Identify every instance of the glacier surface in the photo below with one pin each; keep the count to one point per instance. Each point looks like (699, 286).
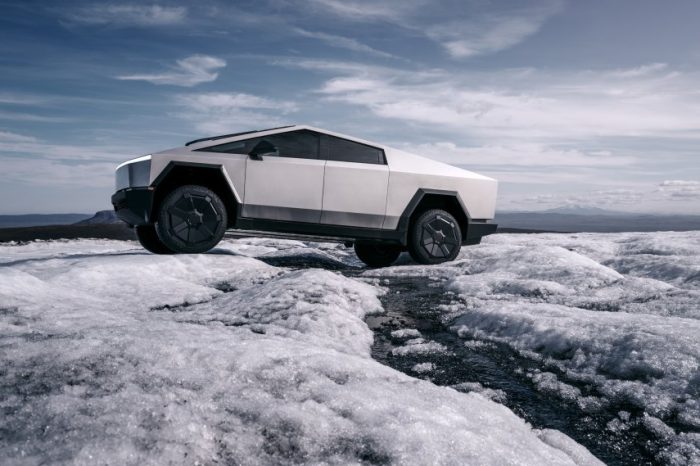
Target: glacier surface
(616, 314)
(112, 355)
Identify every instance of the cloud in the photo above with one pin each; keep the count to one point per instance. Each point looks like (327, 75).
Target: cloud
(463, 31)
(680, 189)
(679, 184)
(517, 155)
(642, 70)
(6, 136)
(481, 35)
(597, 198)
(31, 161)
(47, 172)
(220, 112)
(188, 72)
(18, 145)
(370, 10)
(342, 42)
(129, 15)
(21, 99)
(523, 105)
(683, 195)
(18, 116)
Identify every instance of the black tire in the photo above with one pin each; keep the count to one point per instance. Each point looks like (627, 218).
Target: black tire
(434, 237)
(148, 237)
(191, 219)
(377, 254)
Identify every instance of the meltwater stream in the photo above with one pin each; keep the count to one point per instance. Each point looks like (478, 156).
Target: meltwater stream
(495, 370)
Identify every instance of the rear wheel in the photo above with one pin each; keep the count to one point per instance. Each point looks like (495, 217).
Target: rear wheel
(434, 237)
(191, 219)
(377, 254)
(148, 237)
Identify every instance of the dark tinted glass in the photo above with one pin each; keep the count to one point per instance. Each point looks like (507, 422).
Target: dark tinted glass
(343, 150)
(300, 144)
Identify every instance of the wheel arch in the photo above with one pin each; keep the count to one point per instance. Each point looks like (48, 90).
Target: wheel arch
(426, 199)
(214, 177)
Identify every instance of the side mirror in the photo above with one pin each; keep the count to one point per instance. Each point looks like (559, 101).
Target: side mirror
(262, 148)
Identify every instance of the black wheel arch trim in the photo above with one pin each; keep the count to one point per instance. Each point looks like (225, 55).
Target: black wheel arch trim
(234, 212)
(174, 164)
(475, 228)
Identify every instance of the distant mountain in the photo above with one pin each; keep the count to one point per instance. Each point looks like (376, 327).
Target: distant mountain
(570, 210)
(103, 217)
(582, 210)
(32, 220)
(607, 222)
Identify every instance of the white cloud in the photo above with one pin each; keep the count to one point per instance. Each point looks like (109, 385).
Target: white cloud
(679, 184)
(342, 42)
(6, 136)
(517, 155)
(524, 105)
(46, 172)
(673, 196)
(188, 72)
(642, 70)
(28, 160)
(481, 35)
(129, 15)
(220, 112)
(19, 116)
(680, 190)
(370, 10)
(466, 31)
(18, 145)
(597, 198)
(21, 99)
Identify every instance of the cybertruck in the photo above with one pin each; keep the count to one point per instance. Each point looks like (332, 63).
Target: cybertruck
(304, 182)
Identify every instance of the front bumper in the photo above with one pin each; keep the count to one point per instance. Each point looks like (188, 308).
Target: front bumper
(134, 205)
(477, 229)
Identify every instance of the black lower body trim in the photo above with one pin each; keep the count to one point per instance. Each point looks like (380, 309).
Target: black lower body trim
(134, 205)
(284, 214)
(476, 230)
(319, 229)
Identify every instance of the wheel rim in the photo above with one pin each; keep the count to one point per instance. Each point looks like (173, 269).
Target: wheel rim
(194, 219)
(439, 236)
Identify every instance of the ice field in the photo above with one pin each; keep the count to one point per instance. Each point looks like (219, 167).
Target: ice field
(259, 352)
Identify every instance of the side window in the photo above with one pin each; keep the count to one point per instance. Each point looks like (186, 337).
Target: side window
(342, 150)
(300, 144)
(236, 147)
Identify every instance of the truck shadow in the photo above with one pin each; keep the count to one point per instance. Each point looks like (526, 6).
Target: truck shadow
(308, 261)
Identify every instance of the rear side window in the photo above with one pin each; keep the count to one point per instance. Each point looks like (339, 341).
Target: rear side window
(342, 150)
(299, 144)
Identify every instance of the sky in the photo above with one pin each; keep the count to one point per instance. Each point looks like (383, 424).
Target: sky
(566, 103)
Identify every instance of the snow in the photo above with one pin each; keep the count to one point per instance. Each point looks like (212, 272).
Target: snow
(423, 367)
(490, 393)
(418, 346)
(619, 313)
(111, 355)
(405, 333)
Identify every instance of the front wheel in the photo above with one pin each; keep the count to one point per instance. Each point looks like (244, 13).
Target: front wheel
(148, 237)
(377, 254)
(191, 219)
(434, 237)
